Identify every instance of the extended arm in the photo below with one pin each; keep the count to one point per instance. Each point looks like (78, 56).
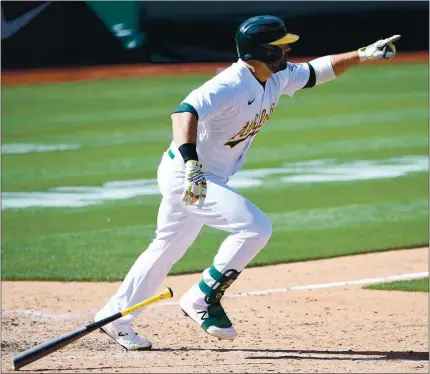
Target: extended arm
(381, 49)
(329, 67)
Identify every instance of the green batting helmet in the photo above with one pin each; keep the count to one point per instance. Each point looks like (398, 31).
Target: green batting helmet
(258, 38)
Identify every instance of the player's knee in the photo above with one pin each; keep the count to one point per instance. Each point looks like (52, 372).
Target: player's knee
(263, 228)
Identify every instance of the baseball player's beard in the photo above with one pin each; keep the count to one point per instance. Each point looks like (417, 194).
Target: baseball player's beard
(279, 65)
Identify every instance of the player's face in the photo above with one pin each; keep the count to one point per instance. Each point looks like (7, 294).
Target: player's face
(282, 63)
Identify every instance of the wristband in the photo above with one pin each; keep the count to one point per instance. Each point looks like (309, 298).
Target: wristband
(188, 152)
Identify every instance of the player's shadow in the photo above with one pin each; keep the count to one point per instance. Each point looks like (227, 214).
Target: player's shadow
(299, 354)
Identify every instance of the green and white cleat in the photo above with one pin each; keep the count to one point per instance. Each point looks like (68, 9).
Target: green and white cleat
(210, 317)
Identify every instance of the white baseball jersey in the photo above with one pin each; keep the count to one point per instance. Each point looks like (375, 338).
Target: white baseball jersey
(232, 107)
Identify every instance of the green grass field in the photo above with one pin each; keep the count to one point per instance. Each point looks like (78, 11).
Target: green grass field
(349, 158)
(415, 285)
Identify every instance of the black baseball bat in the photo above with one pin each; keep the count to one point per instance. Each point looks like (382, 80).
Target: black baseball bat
(52, 345)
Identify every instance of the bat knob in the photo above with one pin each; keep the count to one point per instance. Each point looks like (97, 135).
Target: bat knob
(171, 292)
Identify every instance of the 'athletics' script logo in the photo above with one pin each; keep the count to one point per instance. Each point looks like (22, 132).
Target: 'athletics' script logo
(250, 128)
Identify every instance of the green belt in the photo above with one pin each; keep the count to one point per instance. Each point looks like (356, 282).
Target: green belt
(171, 154)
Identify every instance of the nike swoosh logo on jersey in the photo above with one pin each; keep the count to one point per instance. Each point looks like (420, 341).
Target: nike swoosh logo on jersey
(10, 27)
(251, 101)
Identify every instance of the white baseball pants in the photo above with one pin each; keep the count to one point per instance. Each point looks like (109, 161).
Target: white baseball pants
(178, 226)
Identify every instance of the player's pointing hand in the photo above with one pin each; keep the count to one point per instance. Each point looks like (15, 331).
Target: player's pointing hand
(383, 48)
(195, 184)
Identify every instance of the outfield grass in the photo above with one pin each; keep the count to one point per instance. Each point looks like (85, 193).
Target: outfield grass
(415, 285)
(372, 123)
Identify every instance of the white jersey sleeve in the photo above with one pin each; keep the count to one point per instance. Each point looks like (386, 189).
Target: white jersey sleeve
(211, 100)
(293, 78)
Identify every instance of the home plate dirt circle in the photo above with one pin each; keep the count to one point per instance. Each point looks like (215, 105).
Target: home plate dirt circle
(302, 317)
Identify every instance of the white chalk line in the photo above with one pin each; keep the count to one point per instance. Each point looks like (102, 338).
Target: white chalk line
(390, 278)
(311, 287)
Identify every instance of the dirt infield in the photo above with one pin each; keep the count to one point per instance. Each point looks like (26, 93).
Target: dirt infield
(37, 76)
(320, 327)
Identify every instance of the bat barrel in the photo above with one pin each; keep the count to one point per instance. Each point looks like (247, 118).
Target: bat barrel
(44, 349)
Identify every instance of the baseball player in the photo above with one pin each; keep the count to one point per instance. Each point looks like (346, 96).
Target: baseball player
(212, 130)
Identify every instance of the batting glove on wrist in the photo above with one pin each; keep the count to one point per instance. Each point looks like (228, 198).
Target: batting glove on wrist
(383, 48)
(195, 184)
